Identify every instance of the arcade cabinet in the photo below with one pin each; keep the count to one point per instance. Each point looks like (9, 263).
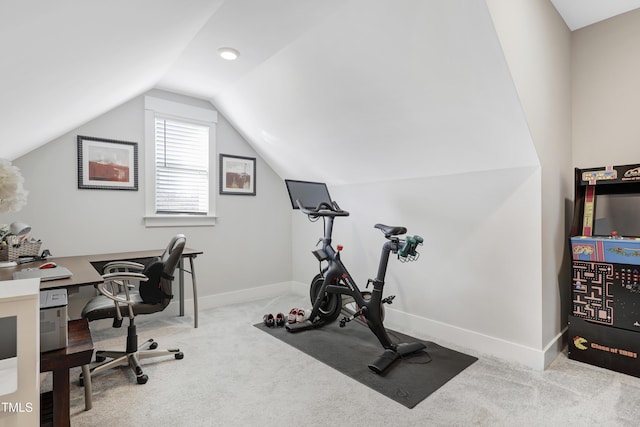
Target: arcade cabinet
(604, 320)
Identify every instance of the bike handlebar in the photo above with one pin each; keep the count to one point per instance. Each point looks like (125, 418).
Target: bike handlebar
(323, 209)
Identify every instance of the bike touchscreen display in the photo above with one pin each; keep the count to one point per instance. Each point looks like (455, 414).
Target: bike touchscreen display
(310, 194)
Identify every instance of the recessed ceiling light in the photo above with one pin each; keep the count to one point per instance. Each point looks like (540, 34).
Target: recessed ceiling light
(228, 53)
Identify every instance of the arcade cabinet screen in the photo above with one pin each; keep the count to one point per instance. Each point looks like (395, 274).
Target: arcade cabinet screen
(310, 194)
(617, 212)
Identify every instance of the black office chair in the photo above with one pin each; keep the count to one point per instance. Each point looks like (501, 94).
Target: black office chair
(117, 295)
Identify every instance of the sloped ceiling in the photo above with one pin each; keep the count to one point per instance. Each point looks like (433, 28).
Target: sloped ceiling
(66, 62)
(368, 91)
(580, 13)
(340, 90)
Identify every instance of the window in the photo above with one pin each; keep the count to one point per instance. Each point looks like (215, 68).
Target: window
(182, 167)
(179, 140)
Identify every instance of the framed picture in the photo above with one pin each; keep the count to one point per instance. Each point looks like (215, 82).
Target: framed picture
(237, 175)
(107, 164)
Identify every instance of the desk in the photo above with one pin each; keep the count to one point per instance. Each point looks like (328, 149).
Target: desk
(78, 352)
(85, 273)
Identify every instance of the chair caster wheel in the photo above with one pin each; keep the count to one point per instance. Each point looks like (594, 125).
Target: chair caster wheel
(142, 379)
(179, 355)
(153, 345)
(81, 381)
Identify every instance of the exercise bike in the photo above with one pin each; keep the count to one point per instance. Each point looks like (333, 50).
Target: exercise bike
(334, 281)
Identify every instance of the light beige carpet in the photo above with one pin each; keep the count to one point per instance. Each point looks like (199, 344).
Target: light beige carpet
(236, 375)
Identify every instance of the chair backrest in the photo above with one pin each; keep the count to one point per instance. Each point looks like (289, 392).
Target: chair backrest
(177, 242)
(170, 259)
(160, 273)
(173, 253)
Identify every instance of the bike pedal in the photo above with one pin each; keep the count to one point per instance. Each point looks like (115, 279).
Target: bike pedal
(389, 299)
(343, 322)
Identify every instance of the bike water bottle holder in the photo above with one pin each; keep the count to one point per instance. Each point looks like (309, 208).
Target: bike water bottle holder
(408, 252)
(409, 258)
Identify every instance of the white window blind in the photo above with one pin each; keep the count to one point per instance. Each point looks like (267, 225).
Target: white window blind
(182, 167)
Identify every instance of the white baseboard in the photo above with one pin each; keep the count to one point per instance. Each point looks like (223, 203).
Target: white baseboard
(252, 294)
(219, 300)
(555, 347)
(456, 338)
(472, 342)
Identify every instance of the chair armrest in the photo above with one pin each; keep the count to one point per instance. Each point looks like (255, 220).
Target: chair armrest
(114, 266)
(118, 279)
(124, 275)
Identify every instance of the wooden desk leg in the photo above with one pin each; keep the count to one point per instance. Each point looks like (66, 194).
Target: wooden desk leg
(195, 293)
(61, 399)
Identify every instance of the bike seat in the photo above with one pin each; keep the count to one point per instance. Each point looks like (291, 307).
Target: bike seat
(390, 230)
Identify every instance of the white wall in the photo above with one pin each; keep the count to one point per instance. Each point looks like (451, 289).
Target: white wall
(510, 298)
(537, 47)
(606, 92)
(476, 284)
(251, 231)
(494, 275)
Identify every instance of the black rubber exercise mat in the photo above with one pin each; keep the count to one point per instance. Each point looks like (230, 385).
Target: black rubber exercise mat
(350, 350)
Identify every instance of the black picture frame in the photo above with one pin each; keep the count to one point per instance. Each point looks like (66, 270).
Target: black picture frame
(107, 164)
(237, 175)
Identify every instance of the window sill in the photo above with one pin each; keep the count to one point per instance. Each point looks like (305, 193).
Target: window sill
(179, 221)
